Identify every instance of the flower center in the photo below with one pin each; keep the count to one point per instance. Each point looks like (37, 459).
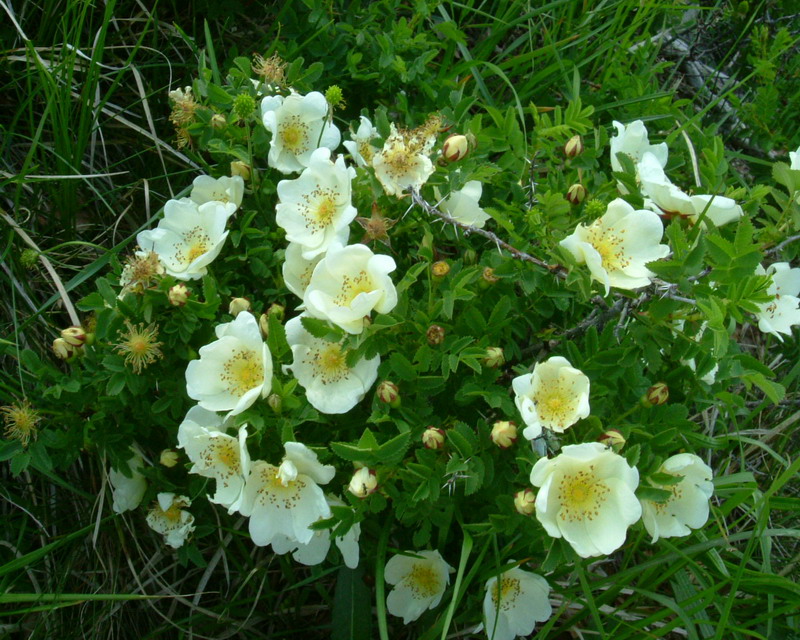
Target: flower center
(294, 135)
(424, 581)
(365, 151)
(243, 371)
(609, 246)
(351, 287)
(325, 210)
(196, 243)
(553, 404)
(505, 593)
(581, 495)
(227, 453)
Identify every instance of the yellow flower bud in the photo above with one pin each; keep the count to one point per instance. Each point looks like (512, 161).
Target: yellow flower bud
(433, 438)
(440, 269)
(504, 433)
(389, 393)
(574, 147)
(525, 502)
(363, 483)
(613, 439)
(238, 305)
(63, 349)
(168, 458)
(494, 357)
(657, 394)
(263, 324)
(75, 336)
(455, 148)
(239, 168)
(488, 278)
(218, 121)
(275, 402)
(178, 295)
(435, 335)
(576, 194)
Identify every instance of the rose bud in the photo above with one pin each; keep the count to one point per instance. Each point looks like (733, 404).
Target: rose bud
(238, 305)
(524, 502)
(504, 433)
(433, 438)
(363, 483)
(455, 148)
(574, 147)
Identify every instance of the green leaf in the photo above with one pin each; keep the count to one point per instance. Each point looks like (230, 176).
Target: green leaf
(321, 329)
(665, 479)
(349, 619)
(391, 452)
(653, 494)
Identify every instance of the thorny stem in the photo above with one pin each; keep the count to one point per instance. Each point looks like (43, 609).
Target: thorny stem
(780, 246)
(557, 270)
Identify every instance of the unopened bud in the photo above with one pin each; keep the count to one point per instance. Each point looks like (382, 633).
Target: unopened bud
(488, 278)
(178, 295)
(435, 335)
(168, 458)
(455, 148)
(239, 168)
(613, 439)
(63, 349)
(363, 483)
(433, 438)
(389, 393)
(275, 402)
(238, 305)
(263, 324)
(440, 269)
(504, 433)
(525, 502)
(574, 147)
(218, 121)
(28, 258)
(657, 394)
(470, 256)
(74, 336)
(244, 105)
(277, 310)
(494, 357)
(576, 194)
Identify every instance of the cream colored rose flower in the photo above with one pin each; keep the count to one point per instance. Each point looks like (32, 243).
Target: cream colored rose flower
(321, 369)
(348, 284)
(359, 146)
(632, 140)
(316, 208)
(687, 507)
(462, 205)
(587, 497)
(779, 316)
(515, 601)
(555, 396)
(403, 163)
(286, 500)
(128, 491)
(234, 370)
(299, 125)
(664, 197)
(169, 518)
(215, 454)
(189, 236)
(419, 583)
(617, 246)
(224, 189)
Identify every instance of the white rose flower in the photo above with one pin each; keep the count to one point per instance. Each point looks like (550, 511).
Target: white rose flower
(299, 125)
(348, 283)
(632, 140)
(189, 236)
(321, 369)
(617, 246)
(783, 312)
(216, 455)
(234, 370)
(127, 492)
(587, 497)
(315, 551)
(515, 601)
(359, 146)
(169, 519)
(224, 189)
(662, 196)
(403, 163)
(297, 270)
(555, 395)
(687, 508)
(286, 500)
(315, 208)
(419, 583)
(794, 159)
(462, 205)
